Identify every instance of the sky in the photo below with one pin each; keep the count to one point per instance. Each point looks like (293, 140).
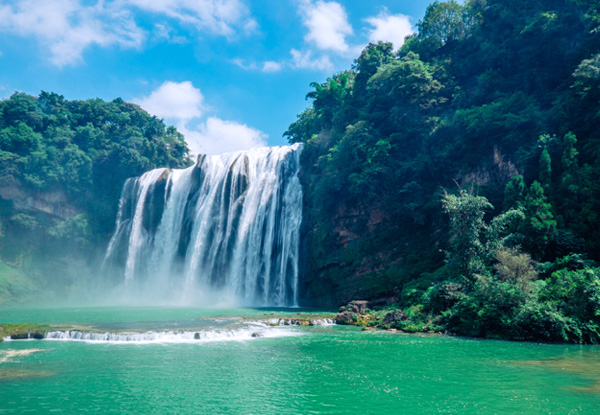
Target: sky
(229, 74)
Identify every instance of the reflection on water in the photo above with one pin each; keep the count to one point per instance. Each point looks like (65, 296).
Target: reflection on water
(13, 374)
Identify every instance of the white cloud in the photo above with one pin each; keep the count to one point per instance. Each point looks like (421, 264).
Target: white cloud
(251, 26)
(327, 24)
(270, 66)
(390, 28)
(245, 66)
(175, 101)
(217, 136)
(182, 104)
(266, 66)
(220, 17)
(66, 27)
(165, 32)
(305, 61)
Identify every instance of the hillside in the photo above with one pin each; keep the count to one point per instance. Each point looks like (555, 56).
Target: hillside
(62, 166)
(456, 177)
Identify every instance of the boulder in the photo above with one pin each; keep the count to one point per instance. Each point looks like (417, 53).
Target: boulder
(345, 317)
(393, 316)
(358, 307)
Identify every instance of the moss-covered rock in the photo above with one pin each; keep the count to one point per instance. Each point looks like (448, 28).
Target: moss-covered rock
(20, 331)
(345, 317)
(394, 316)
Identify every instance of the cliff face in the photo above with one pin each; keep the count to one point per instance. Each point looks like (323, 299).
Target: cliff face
(40, 241)
(363, 251)
(364, 254)
(54, 203)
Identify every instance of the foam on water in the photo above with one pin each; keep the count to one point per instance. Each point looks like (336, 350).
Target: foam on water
(8, 355)
(251, 331)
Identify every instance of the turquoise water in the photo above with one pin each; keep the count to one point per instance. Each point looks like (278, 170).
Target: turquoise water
(290, 370)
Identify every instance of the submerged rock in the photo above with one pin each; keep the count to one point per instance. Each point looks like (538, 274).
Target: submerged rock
(256, 334)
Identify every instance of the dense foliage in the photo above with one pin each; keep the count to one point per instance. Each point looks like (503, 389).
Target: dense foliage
(498, 97)
(75, 155)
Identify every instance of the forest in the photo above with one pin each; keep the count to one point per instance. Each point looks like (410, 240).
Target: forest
(458, 175)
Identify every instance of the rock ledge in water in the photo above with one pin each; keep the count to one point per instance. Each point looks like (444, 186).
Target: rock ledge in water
(23, 331)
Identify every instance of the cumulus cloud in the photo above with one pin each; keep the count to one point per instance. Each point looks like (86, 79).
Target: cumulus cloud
(390, 28)
(217, 136)
(183, 105)
(174, 101)
(327, 24)
(66, 27)
(306, 61)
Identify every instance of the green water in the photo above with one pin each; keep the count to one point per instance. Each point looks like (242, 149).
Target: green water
(304, 370)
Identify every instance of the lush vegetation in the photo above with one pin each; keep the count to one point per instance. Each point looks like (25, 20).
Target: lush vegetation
(74, 156)
(459, 173)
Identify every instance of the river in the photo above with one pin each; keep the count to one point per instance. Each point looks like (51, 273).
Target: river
(238, 366)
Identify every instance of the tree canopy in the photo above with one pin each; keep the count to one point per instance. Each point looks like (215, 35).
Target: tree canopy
(86, 149)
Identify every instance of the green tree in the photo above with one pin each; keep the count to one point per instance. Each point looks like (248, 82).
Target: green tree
(514, 192)
(370, 60)
(539, 226)
(545, 170)
(466, 228)
(569, 187)
(444, 22)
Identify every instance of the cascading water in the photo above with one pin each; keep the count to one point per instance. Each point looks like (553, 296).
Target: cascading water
(229, 225)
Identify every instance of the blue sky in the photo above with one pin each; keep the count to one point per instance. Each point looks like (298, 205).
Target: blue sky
(229, 74)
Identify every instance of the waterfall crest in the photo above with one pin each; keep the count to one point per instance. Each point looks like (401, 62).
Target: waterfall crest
(230, 224)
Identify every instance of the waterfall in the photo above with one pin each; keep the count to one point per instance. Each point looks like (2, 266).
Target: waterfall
(230, 224)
